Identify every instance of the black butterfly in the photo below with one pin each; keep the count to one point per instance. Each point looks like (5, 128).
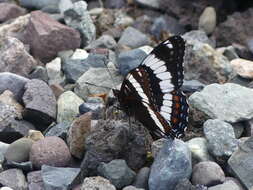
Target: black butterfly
(151, 92)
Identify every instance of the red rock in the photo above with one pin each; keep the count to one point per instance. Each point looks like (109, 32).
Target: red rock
(47, 37)
(9, 11)
(51, 151)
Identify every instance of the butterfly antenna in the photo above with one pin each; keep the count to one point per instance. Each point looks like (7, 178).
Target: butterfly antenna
(97, 85)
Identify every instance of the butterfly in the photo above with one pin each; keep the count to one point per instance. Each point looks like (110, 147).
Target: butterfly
(151, 92)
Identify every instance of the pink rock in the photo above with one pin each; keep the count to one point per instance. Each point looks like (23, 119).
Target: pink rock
(51, 151)
(243, 67)
(9, 11)
(47, 37)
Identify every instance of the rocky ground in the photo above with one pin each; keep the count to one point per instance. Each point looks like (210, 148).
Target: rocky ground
(56, 131)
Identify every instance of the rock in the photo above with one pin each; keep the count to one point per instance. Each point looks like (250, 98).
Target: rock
(241, 163)
(226, 33)
(19, 150)
(130, 187)
(95, 105)
(228, 108)
(115, 140)
(207, 173)
(117, 171)
(243, 67)
(40, 73)
(199, 150)
(184, 184)
(24, 166)
(223, 145)
(44, 152)
(104, 41)
(249, 128)
(68, 107)
(14, 58)
(130, 59)
(78, 17)
(157, 146)
(150, 3)
(53, 179)
(207, 20)
(40, 103)
(33, 4)
(199, 36)
(229, 52)
(42, 30)
(59, 130)
(3, 149)
(97, 85)
(143, 24)
(122, 19)
(35, 135)
(57, 90)
(190, 86)
(141, 179)
(115, 4)
(174, 156)
(13, 178)
(10, 11)
(133, 38)
(64, 5)
(17, 87)
(35, 181)
(54, 72)
(80, 54)
(97, 183)
(236, 181)
(106, 20)
(5, 188)
(205, 64)
(77, 133)
(228, 185)
(238, 129)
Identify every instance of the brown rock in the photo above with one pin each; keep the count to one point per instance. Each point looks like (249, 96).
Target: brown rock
(57, 90)
(47, 37)
(35, 135)
(9, 11)
(78, 131)
(243, 67)
(51, 151)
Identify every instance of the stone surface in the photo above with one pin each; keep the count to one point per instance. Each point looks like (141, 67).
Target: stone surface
(78, 131)
(207, 20)
(133, 38)
(97, 85)
(229, 107)
(115, 140)
(33, 4)
(243, 67)
(157, 145)
(236, 181)
(238, 129)
(192, 86)
(141, 179)
(68, 107)
(80, 54)
(19, 150)
(241, 163)
(59, 130)
(54, 72)
(53, 179)
(44, 152)
(35, 181)
(229, 52)
(97, 183)
(117, 171)
(57, 90)
(104, 41)
(10, 11)
(40, 103)
(199, 36)
(39, 72)
(199, 150)
(207, 173)
(78, 17)
(15, 58)
(13, 178)
(35, 135)
(223, 145)
(130, 187)
(228, 185)
(172, 163)
(24, 166)
(47, 37)
(150, 3)
(95, 105)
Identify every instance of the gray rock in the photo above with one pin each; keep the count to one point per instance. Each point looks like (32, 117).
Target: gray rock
(141, 179)
(10, 11)
(39, 73)
(172, 163)
(192, 86)
(199, 150)
(68, 107)
(133, 38)
(117, 171)
(130, 187)
(13, 178)
(94, 183)
(238, 129)
(115, 140)
(249, 128)
(198, 35)
(14, 57)
(223, 145)
(149, 3)
(129, 60)
(236, 181)
(104, 41)
(78, 17)
(207, 173)
(64, 5)
(59, 130)
(157, 146)
(40, 103)
(95, 107)
(24, 166)
(35, 181)
(89, 83)
(19, 150)
(7, 83)
(54, 72)
(228, 108)
(241, 163)
(122, 19)
(185, 184)
(33, 4)
(3, 149)
(228, 185)
(115, 4)
(207, 20)
(54, 180)
(228, 52)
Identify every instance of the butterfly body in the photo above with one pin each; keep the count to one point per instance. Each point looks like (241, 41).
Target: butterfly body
(151, 92)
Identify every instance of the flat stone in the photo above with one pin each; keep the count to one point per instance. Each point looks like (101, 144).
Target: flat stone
(243, 67)
(10, 11)
(207, 20)
(97, 183)
(13, 178)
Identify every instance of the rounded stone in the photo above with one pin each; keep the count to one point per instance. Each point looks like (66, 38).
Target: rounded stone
(51, 151)
(207, 20)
